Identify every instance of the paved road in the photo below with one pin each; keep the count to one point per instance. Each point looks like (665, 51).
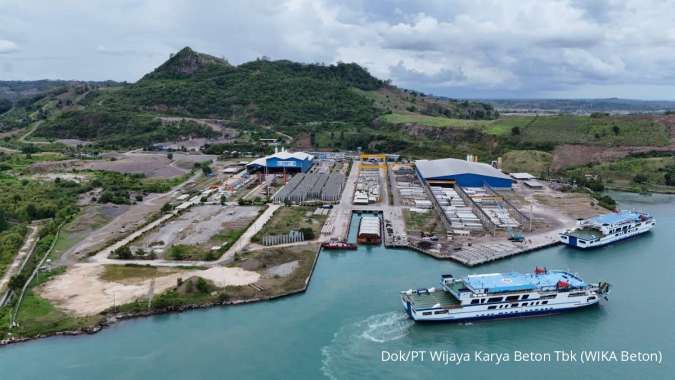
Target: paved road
(105, 252)
(341, 215)
(102, 256)
(245, 238)
(20, 259)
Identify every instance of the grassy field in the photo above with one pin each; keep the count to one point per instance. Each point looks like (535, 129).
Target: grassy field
(633, 174)
(134, 273)
(10, 242)
(534, 162)
(433, 121)
(611, 130)
(259, 261)
(286, 219)
(553, 130)
(19, 162)
(422, 222)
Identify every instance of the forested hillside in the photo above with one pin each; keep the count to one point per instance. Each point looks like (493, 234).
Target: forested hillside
(284, 95)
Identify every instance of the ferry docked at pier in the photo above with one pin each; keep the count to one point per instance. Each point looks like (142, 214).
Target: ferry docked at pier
(502, 295)
(604, 229)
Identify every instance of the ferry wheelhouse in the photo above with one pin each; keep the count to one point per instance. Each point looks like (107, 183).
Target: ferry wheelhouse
(608, 228)
(501, 295)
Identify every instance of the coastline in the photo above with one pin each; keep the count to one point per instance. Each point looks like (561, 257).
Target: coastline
(635, 191)
(112, 319)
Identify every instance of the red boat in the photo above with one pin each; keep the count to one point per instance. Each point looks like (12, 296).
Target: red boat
(338, 245)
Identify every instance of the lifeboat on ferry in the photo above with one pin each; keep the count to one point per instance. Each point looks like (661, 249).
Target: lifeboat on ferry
(539, 270)
(563, 284)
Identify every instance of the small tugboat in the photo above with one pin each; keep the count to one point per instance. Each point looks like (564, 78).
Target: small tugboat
(502, 295)
(334, 244)
(608, 228)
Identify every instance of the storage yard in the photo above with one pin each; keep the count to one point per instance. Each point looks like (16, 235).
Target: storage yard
(451, 209)
(311, 187)
(436, 216)
(488, 218)
(235, 213)
(368, 187)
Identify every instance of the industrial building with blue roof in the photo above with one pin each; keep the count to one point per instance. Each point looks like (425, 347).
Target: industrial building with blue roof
(282, 161)
(463, 173)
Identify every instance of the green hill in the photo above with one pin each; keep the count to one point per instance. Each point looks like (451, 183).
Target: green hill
(293, 97)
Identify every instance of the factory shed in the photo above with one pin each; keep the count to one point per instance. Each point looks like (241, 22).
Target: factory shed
(523, 176)
(534, 184)
(282, 162)
(450, 171)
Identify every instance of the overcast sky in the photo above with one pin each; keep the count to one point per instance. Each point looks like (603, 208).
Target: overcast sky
(473, 48)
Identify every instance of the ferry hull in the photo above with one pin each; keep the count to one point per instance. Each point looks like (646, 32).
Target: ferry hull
(576, 242)
(502, 296)
(476, 317)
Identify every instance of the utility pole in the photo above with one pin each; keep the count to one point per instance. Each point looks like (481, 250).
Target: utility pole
(151, 292)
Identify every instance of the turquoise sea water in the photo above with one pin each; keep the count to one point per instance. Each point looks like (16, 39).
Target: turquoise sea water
(352, 313)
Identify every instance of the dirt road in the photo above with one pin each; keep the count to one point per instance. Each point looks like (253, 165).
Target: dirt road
(24, 253)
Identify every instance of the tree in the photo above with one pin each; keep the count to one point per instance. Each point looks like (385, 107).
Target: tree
(223, 199)
(515, 131)
(206, 169)
(616, 130)
(669, 177)
(640, 178)
(202, 285)
(307, 233)
(123, 253)
(31, 211)
(3, 220)
(17, 281)
(5, 105)
(166, 207)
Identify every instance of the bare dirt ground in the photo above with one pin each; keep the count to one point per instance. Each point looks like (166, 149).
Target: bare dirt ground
(564, 207)
(283, 270)
(130, 219)
(73, 142)
(92, 217)
(65, 176)
(214, 124)
(568, 155)
(198, 226)
(66, 290)
(152, 165)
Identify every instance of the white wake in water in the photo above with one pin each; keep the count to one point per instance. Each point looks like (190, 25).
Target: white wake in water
(386, 327)
(357, 346)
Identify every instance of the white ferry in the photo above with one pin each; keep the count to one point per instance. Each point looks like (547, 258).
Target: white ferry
(608, 228)
(502, 295)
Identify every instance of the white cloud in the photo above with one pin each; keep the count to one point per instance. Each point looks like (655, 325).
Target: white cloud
(7, 46)
(459, 48)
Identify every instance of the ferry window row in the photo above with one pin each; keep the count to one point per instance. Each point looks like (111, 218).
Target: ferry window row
(537, 303)
(500, 299)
